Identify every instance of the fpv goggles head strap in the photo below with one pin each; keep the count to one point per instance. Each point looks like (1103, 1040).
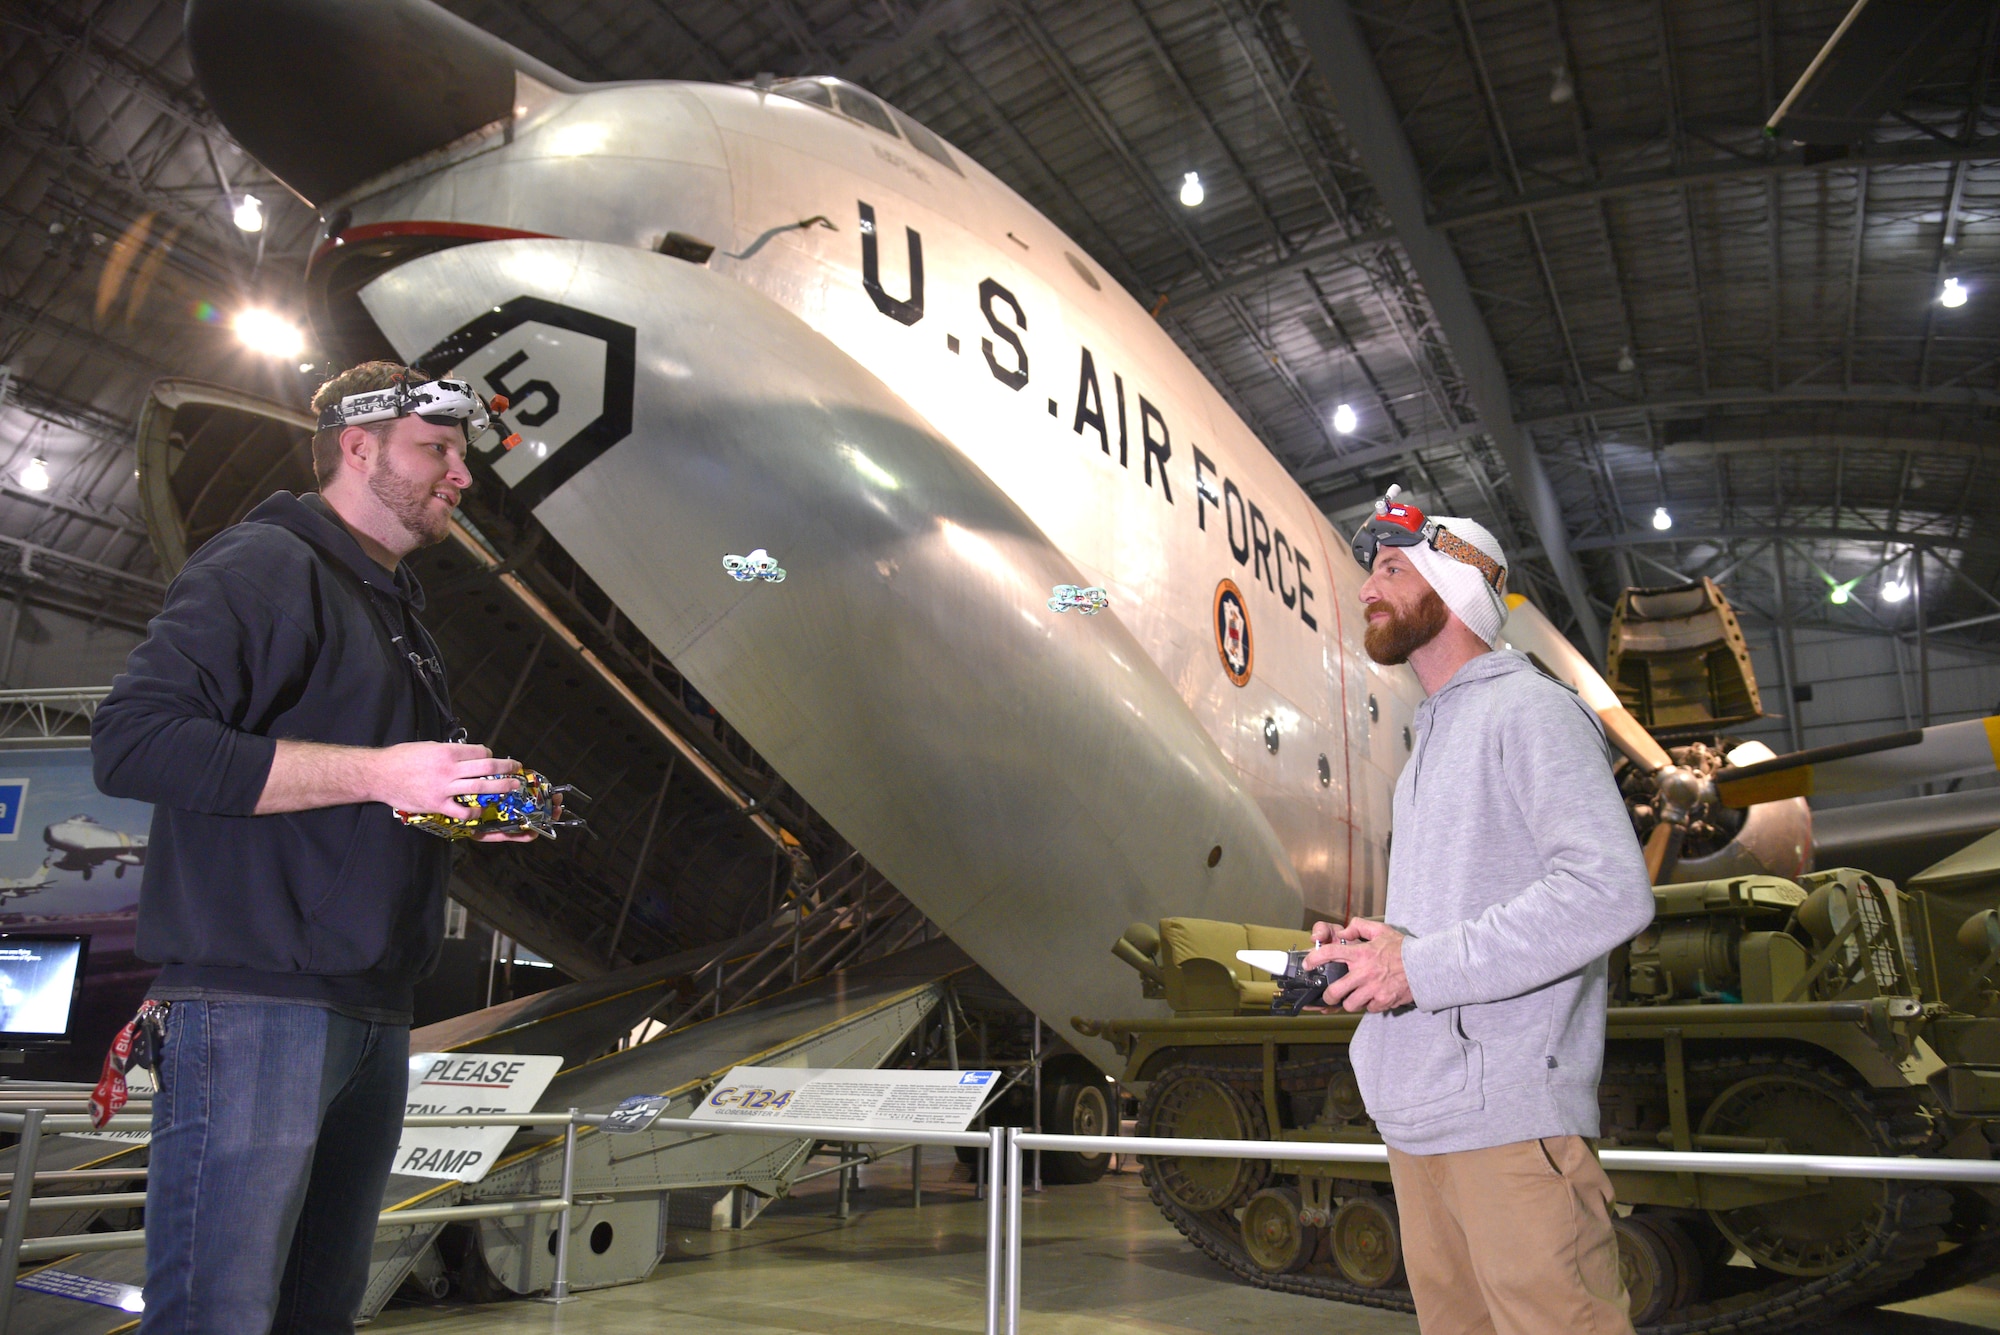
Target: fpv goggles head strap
(1400, 524)
(439, 402)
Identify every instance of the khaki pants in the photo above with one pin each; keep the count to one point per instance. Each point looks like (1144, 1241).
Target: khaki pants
(1513, 1240)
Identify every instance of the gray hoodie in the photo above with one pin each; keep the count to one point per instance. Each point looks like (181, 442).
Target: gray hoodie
(1514, 872)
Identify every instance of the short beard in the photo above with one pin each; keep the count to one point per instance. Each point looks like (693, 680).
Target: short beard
(409, 502)
(1392, 641)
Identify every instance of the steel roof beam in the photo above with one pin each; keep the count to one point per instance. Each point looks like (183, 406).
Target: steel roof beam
(1934, 397)
(1860, 536)
(1708, 173)
(1343, 60)
(1150, 188)
(1885, 395)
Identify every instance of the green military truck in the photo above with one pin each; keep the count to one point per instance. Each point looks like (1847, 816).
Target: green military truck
(1834, 1014)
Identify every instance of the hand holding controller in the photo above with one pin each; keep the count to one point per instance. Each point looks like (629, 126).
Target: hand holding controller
(1298, 986)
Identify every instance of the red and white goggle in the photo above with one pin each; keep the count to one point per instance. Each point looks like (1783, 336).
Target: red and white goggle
(1399, 524)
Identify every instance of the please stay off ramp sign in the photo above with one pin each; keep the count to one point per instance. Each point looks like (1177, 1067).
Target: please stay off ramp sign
(466, 1084)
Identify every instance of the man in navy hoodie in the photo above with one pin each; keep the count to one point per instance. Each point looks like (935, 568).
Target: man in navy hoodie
(284, 701)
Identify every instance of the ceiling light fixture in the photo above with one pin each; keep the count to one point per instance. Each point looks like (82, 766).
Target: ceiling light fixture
(1191, 192)
(1661, 519)
(1839, 593)
(1626, 363)
(1954, 294)
(1345, 420)
(1561, 89)
(272, 335)
(35, 477)
(250, 214)
(1895, 590)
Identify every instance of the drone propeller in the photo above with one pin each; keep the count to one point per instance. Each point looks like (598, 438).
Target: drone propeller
(1945, 751)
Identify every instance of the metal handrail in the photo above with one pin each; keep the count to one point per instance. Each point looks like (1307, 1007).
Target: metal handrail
(33, 1123)
(827, 911)
(713, 995)
(776, 942)
(110, 1200)
(1747, 1165)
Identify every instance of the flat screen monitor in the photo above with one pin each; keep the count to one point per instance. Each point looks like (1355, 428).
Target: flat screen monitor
(39, 975)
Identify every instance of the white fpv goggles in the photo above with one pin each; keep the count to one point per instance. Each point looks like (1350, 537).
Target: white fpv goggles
(439, 402)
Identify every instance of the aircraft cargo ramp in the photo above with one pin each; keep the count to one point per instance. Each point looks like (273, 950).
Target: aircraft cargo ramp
(860, 1017)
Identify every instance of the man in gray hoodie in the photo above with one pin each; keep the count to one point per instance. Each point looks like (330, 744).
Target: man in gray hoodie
(1513, 873)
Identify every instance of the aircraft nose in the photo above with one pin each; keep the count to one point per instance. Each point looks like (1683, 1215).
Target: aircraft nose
(399, 77)
(1028, 777)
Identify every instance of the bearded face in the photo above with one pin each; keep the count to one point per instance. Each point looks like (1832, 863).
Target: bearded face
(411, 477)
(1391, 639)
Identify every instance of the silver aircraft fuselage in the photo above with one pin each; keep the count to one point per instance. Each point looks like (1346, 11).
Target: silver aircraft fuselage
(931, 407)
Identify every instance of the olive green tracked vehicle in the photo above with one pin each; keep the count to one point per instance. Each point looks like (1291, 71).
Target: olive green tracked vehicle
(1835, 1014)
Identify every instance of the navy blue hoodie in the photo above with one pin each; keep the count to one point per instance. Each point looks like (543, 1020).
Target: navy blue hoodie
(279, 627)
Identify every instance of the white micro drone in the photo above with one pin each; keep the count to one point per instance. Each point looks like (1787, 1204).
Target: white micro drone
(1088, 601)
(760, 564)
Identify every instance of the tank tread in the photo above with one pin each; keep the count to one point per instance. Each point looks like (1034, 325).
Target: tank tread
(1215, 1232)
(1976, 1256)
(1898, 1256)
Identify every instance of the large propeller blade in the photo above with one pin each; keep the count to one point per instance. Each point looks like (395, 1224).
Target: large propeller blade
(1945, 751)
(1536, 636)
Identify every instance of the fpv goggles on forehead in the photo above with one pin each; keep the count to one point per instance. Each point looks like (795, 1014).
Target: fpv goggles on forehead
(1399, 524)
(439, 402)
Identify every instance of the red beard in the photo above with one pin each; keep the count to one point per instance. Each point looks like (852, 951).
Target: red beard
(1393, 640)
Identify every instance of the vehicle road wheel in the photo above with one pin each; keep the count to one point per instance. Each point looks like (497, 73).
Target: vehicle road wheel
(1274, 1238)
(1690, 1267)
(1193, 1106)
(1647, 1267)
(1809, 1235)
(1080, 1108)
(1366, 1240)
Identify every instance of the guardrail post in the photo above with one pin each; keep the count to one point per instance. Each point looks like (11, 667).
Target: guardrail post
(559, 1291)
(1038, 1101)
(916, 1177)
(1013, 1232)
(994, 1153)
(17, 1209)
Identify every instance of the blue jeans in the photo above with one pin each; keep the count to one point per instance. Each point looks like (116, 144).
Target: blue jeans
(273, 1131)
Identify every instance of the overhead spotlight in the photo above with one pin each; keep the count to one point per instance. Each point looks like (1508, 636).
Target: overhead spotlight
(272, 335)
(1839, 593)
(1626, 363)
(1561, 90)
(1953, 295)
(1344, 419)
(250, 214)
(1191, 191)
(35, 477)
(1895, 590)
(1661, 519)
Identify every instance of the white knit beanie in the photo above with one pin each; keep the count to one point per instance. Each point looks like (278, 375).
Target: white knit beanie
(1462, 587)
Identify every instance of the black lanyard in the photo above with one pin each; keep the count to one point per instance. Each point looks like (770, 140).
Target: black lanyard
(429, 671)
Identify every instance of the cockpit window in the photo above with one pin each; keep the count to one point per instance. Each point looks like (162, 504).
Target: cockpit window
(806, 90)
(850, 101)
(924, 141)
(853, 102)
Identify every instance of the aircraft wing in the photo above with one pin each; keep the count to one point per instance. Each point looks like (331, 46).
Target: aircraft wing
(1945, 751)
